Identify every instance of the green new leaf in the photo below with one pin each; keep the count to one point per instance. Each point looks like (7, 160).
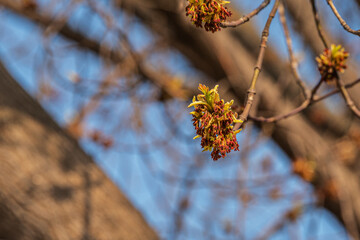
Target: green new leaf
(199, 103)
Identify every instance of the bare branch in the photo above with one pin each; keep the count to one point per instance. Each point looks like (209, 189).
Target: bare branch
(349, 85)
(247, 17)
(257, 69)
(349, 102)
(303, 106)
(293, 62)
(341, 20)
(94, 46)
(313, 99)
(318, 25)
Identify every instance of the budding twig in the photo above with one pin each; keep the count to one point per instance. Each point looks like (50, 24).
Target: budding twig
(251, 92)
(341, 20)
(247, 17)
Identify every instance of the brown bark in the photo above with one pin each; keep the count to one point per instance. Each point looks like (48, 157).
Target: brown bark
(49, 188)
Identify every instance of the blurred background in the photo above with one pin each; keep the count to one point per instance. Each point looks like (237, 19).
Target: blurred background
(117, 75)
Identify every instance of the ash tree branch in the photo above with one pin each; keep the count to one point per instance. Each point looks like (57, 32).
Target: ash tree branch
(349, 102)
(306, 104)
(341, 20)
(349, 85)
(251, 91)
(303, 106)
(318, 25)
(247, 17)
(293, 62)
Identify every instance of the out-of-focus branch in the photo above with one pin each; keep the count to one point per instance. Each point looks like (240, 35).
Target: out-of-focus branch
(104, 51)
(341, 20)
(318, 25)
(293, 62)
(65, 30)
(286, 218)
(247, 17)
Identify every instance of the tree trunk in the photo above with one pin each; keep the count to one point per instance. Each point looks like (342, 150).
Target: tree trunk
(49, 188)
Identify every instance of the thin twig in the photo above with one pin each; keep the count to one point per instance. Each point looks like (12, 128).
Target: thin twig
(314, 90)
(295, 111)
(293, 62)
(287, 218)
(247, 17)
(251, 92)
(304, 105)
(349, 102)
(318, 25)
(349, 85)
(341, 20)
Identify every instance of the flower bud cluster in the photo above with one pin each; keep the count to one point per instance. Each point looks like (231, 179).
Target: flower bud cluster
(209, 12)
(213, 120)
(332, 61)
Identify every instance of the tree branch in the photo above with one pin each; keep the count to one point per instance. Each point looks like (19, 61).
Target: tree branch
(104, 51)
(247, 17)
(349, 102)
(341, 20)
(251, 91)
(302, 107)
(293, 62)
(318, 25)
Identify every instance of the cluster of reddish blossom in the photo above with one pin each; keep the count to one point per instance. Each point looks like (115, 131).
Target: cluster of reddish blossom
(209, 12)
(101, 139)
(332, 61)
(213, 121)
